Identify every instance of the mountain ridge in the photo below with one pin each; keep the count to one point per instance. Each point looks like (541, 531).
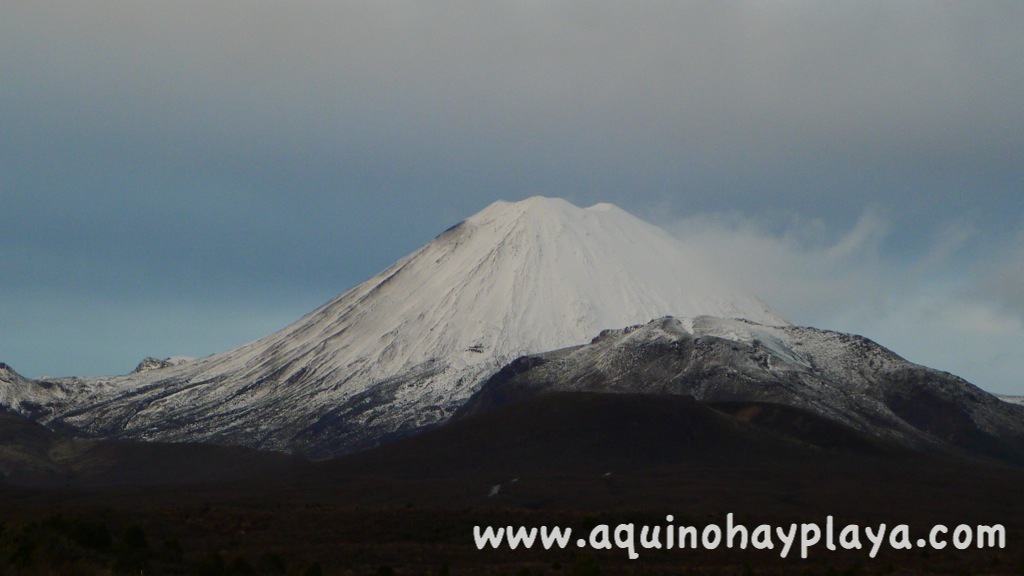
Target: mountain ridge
(846, 378)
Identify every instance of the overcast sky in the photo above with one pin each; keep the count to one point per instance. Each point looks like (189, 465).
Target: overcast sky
(181, 177)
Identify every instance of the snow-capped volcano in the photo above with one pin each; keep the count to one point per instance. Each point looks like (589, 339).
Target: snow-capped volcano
(405, 348)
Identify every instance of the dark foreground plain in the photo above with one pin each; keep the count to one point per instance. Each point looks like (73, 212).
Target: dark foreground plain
(575, 460)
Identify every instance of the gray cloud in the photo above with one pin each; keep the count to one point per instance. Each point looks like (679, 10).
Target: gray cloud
(563, 90)
(968, 322)
(801, 269)
(1002, 277)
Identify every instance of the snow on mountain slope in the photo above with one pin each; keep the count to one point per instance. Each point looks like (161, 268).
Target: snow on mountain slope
(33, 398)
(845, 378)
(408, 346)
(15, 389)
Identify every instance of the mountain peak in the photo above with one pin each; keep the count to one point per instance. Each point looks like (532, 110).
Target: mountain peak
(535, 202)
(541, 207)
(605, 267)
(534, 207)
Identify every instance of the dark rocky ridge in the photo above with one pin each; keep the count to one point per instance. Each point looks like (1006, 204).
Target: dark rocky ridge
(847, 379)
